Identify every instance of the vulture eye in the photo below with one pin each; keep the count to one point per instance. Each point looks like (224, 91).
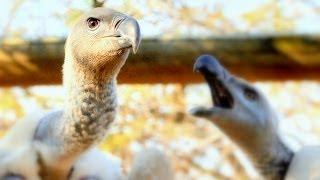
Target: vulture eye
(93, 23)
(250, 94)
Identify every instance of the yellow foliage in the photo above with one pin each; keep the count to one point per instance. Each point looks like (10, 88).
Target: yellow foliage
(260, 14)
(9, 102)
(270, 12)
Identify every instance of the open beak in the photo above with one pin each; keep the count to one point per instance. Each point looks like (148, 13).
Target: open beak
(216, 77)
(130, 30)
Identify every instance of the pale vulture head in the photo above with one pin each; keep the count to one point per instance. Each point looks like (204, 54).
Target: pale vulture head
(101, 37)
(239, 109)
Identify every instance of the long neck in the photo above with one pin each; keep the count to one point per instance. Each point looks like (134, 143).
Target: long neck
(273, 164)
(263, 145)
(90, 106)
(270, 156)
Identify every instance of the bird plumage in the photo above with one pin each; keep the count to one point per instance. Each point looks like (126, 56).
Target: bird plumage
(151, 164)
(305, 164)
(19, 158)
(96, 164)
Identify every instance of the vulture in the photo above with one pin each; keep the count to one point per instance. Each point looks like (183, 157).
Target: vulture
(55, 145)
(245, 116)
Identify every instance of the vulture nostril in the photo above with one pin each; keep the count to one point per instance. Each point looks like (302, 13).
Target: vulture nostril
(118, 23)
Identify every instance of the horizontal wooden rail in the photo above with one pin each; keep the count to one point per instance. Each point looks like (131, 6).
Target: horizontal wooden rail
(160, 61)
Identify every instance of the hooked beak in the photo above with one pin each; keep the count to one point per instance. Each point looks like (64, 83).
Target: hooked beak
(216, 77)
(130, 30)
(208, 65)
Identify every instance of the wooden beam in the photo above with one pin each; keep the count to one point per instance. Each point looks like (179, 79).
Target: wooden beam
(160, 61)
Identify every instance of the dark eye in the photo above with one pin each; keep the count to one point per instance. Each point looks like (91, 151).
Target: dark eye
(93, 23)
(250, 94)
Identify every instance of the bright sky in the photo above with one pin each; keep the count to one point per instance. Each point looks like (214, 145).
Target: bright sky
(37, 18)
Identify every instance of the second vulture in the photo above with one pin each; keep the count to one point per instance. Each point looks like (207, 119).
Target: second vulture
(243, 113)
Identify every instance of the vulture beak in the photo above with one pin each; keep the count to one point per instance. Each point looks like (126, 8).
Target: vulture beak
(208, 65)
(130, 30)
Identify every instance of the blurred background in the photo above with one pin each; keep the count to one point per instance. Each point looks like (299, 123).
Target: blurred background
(275, 44)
